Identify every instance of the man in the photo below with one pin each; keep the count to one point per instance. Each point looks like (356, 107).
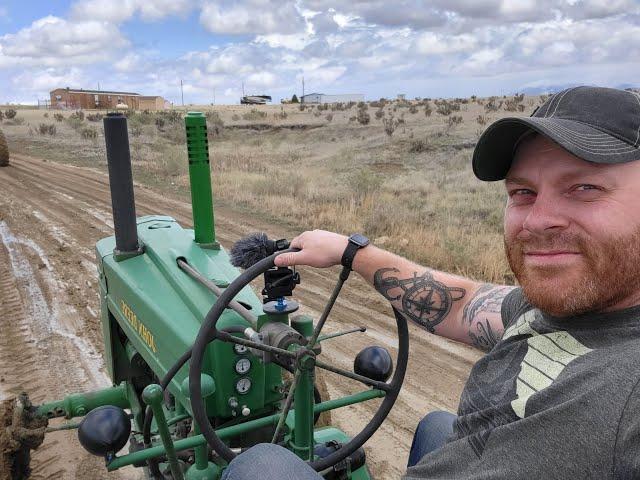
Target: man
(557, 395)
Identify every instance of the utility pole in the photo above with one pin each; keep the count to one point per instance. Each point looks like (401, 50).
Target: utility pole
(301, 100)
(182, 92)
(243, 89)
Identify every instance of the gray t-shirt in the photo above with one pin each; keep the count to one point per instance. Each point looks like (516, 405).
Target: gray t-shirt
(553, 399)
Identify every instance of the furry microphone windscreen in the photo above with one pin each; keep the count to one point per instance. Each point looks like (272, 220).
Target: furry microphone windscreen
(249, 250)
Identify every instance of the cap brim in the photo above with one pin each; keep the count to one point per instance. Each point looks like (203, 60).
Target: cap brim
(495, 149)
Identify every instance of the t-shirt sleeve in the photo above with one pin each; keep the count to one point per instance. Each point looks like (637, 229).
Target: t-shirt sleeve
(513, 305)
(626, 460)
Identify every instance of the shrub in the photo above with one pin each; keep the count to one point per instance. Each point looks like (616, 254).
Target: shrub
(413, 109)
(79, 114)
(379, 113)
(214, 122)
(420, 146)
(46, 114)
(94, 117)
(47, 129)
(171, 116)
(58, 117)
(329, 117)
(89, 133)
(159, 123)
(454, 120)
(427, 111)
(390, 125)
(302, 107)
(482, 120)
(282, 115)
(235, 117)
(491, 105)
(364, 182)
(74, 122)
(362, 105)
(1, 116)
(294, 99)
(254, 115)
(444, 109)
(10, 113)
(363, 117)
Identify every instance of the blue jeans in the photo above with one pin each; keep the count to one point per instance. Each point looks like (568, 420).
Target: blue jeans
(431, 433)
(272, 462)
(266, 461)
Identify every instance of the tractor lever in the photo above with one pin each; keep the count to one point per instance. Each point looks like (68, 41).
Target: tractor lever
(339, 334)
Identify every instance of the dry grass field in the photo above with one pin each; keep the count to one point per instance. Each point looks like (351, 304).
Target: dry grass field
(397, 171)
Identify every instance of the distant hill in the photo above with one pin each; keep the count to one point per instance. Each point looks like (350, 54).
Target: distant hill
(546, 89)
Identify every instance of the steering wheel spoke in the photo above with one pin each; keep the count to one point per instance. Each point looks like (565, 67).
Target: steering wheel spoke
(227, 337)
(354, 376)
(287, 406)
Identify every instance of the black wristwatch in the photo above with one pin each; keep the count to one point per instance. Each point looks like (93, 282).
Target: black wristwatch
(356, 242)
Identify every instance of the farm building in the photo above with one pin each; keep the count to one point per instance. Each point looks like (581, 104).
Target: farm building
(322, 98)
(153, 103)
(99, 99)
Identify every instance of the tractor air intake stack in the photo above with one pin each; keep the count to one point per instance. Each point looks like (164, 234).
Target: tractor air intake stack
(121, 183)
(200, 179)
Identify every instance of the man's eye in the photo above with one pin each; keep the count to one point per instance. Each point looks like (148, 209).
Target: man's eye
(585, 186)
(520, 192)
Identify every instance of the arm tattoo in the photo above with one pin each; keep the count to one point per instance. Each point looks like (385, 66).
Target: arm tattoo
(487, 300)
(485, 338)
(423, 299)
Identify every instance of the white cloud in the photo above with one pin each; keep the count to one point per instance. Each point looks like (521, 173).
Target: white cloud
(436, 44)
(117, 11)
(262, 79)
(53, 41)
(252, 17)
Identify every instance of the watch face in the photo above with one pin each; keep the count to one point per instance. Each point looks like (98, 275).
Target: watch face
(359, 240)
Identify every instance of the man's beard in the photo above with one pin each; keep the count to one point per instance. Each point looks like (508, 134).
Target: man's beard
(606, 273)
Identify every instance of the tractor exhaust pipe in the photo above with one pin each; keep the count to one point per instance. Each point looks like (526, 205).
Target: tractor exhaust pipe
(121, 184)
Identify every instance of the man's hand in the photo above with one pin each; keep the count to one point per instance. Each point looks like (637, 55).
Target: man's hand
(318, 248)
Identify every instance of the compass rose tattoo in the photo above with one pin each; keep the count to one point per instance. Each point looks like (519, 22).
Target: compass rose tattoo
(424, 300)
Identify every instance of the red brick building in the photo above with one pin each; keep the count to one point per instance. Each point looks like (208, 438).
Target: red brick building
(68, 98)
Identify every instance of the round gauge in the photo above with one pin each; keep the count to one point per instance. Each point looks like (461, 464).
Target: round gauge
(243, 385)
(240, 349)
(242, 366)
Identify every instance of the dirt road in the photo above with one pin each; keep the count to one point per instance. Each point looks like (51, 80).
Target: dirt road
(51, 215)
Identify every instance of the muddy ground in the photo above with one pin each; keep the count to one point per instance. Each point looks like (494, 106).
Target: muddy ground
(51, 215)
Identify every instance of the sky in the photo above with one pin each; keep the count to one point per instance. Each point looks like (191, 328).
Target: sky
(422, 48)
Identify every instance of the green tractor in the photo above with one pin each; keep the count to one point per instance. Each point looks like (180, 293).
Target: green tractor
(202, 367)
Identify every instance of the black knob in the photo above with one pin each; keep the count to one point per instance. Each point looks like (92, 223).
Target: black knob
(104, 430)
(374, 362)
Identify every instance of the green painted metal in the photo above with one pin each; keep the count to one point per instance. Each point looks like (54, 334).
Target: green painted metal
(235, 430)
(79, 404)
(152, 396)
(200, 178)
(302, 436)
(303, 324)
(159, 309)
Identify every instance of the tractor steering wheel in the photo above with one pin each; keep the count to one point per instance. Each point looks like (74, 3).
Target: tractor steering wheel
(208, 332)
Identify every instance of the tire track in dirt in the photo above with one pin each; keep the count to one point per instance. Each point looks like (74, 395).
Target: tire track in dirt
(75, 203)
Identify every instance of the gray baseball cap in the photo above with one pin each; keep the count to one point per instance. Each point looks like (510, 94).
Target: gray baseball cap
(596, 124)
